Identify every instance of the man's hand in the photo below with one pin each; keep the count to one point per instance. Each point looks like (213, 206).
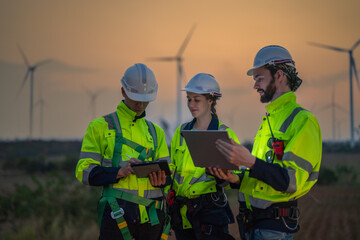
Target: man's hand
(127, 170)
(235, 153)
(157, 178)
(224, 174)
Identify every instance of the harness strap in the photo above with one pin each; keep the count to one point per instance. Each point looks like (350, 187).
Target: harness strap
(109, 195)
(152, 204)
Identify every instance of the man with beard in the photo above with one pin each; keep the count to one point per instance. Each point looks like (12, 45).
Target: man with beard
(285, 160)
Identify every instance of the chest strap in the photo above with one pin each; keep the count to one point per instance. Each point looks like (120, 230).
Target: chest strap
(144, 153)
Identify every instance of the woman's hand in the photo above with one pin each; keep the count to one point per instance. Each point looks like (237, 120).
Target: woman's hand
(157, 178)
(224, 174)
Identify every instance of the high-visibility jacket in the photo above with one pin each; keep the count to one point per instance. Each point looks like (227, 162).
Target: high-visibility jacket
(95, 163)
(191, 181)
(293, 176)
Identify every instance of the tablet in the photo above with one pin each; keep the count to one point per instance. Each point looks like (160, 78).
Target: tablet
(201, 144)
(142, 169)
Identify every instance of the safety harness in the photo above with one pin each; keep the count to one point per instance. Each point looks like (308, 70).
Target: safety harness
(109, 194)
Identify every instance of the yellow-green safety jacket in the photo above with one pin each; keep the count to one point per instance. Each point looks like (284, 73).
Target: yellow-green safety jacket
(293, 176)
(191, 181)
(98, 149)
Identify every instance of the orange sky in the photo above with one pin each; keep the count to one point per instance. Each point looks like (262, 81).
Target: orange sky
(100, 39)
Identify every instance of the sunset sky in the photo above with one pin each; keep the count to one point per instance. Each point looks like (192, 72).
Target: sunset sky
(91, 43)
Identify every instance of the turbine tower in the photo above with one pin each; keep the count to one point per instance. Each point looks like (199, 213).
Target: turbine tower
(352, 69)
(93, 96)
(333, 107)
(30, 71)
(180, 72)
(41, 104)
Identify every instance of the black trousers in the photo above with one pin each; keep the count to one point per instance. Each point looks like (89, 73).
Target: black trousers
(199, 234)
(110, 231)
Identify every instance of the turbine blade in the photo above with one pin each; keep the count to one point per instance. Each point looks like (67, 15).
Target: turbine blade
(42, 62)
(355, 45)
(167, 59)
(186, 41)
(23, 83)
(353, 66)
(180, 70)
(341, 108)
(328, 47)
(325, 108)
(23, 55)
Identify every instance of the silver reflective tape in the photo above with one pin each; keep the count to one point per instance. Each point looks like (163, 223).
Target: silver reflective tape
(181, 137)
(302, 163)
(153, 193)
(152, 132)
(106, 162)
(178, 178)
(86, 173)
(290, 119)
(223, 127)
(116, 120)
(202, 178)
(92, 155)
(122, 163)
(109, 122)
(256, 202)
(292, 183)
(313, 176)
(134, 192)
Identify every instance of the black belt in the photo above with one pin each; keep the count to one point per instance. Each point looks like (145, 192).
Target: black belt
(292, 213)
(288, 209)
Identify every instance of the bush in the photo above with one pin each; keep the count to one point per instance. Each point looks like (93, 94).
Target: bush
(57, 197)
(327, 176)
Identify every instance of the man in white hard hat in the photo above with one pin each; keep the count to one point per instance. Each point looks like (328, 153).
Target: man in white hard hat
(130, 207)
(285, 160)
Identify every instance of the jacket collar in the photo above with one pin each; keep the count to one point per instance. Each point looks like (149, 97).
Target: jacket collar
(281, 102)
(214, 124)
(123, 109)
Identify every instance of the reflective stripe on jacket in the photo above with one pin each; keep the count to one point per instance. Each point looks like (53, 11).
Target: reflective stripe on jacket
(300, 132)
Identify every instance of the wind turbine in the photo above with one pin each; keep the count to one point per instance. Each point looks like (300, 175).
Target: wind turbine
(41, 103)
(352, 69)
(333, 107)
(179, 59)
(30, 71)
(93, 96)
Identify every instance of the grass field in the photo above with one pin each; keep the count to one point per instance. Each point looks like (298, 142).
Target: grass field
(61, 208)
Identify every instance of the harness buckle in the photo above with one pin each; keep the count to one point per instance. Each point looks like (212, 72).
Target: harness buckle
(295, 213)
(276, 212)
(117, 214)
(207, 229)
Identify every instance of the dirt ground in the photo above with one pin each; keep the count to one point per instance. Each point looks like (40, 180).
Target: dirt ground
(326, 212)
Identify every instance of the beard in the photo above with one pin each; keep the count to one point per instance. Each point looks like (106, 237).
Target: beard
(268, 92)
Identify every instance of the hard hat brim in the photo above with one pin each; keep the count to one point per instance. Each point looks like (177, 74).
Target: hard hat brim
(193, 91)
(141, 97)
(250, 72)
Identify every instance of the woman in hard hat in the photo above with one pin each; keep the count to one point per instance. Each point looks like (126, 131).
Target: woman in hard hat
(200, 209)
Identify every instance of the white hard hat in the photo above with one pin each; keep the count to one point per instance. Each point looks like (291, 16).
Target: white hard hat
(203, 83)
(272, 54)
(139, 83)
